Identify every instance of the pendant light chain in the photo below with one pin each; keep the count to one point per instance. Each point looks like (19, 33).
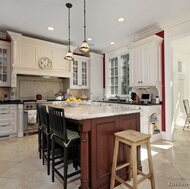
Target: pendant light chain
(69, 55)
(84, 47)
(84, 20)
(69, 27)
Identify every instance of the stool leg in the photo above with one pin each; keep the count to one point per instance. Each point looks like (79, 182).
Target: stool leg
(48, 154)
(130, 166)
(134, 164)
(150, 165)
(114, 164)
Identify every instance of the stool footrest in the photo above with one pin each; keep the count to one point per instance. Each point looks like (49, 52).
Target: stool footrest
(122, 166)
(123, 182)
(140, 172)
(146, 176)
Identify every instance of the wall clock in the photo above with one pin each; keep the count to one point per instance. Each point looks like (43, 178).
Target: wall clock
(45, 63)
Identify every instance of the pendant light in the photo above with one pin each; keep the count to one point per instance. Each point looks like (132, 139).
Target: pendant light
(84, 47)
(69, 55)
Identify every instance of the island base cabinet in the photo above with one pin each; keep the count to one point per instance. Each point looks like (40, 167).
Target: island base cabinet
(102, 145)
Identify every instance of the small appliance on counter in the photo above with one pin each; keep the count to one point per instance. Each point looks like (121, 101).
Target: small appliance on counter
(135, 98)
(146, 98)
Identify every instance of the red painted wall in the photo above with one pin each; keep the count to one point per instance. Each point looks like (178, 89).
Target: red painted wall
(104, 72)
(161, 34)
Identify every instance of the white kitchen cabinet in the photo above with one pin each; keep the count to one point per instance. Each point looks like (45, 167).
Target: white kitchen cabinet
(8, 120)
(80, 73)
(96, 76)
(145, 62)
(27, 52)
(4, 64)
(151, 121)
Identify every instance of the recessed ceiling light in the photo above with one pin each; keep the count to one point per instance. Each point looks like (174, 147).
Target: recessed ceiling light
(112, 43)
(121, 19)
(89, 39)
(50, 28)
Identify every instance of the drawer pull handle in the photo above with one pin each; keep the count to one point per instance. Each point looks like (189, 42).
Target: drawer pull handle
(5, 125)
(6, 112)
(8, 108)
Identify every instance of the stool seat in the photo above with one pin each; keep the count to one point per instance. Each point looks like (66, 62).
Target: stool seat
(132, 136)
(133, 139)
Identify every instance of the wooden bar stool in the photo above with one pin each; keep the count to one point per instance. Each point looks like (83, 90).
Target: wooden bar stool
(133, 139)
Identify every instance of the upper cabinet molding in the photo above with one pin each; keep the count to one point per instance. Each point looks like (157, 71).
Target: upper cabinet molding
(27, 51)
(14, 36)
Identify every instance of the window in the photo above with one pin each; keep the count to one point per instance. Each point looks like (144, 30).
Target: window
(125, 75)
(119, 75)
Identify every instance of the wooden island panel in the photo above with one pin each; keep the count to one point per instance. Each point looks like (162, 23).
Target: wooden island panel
(102, 144)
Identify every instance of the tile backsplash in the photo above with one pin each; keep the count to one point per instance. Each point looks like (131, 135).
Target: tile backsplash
(29, 86)
(5, 91)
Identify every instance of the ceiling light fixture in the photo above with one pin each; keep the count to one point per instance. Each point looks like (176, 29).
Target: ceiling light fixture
(121, 19)
(84, 47)
(50, 28)
(69, 55)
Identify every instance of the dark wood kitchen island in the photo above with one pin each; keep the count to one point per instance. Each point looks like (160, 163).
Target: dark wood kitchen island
(97, 125)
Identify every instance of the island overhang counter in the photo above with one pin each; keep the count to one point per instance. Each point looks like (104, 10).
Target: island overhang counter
(97, 125)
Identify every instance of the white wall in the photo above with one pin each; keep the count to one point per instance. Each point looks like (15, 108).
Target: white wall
(179, 29)
(180, 83)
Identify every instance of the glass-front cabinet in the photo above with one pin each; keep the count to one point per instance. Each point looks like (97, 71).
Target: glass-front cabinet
(80, 73)
(4, 63)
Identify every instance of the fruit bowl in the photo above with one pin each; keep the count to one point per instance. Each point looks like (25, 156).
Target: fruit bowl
(73, 103)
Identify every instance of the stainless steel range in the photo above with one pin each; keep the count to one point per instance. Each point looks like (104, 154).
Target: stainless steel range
(30, 117)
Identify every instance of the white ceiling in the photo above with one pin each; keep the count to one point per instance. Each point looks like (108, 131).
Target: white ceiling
(32, 17)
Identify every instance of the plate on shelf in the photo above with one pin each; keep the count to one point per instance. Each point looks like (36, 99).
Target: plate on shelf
(45, 63)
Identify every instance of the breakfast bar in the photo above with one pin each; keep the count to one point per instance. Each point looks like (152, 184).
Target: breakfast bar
(97, 124)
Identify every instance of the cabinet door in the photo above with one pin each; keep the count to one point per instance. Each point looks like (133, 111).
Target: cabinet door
(96, 78)
(4, 64)
(80, 76)
(145, 62)
(134, 67)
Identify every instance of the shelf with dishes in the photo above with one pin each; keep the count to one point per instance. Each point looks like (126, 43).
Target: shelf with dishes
(153, 124)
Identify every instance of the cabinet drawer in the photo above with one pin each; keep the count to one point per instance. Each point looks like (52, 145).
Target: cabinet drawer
(7, 107)
(7, 128)
(7, 115)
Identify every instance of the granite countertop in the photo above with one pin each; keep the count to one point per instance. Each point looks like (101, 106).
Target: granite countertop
(22, 101)
(130, 103)
(11, 102)
(90, 111)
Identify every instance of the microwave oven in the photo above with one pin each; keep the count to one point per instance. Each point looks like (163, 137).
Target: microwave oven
(146, 98)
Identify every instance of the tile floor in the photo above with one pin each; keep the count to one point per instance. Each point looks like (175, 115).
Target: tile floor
(20, 167)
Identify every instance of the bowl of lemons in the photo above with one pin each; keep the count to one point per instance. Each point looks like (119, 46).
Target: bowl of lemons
(73, 102)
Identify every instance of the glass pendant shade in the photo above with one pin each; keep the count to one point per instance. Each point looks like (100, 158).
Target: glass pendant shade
(84, 47)
(69, 55)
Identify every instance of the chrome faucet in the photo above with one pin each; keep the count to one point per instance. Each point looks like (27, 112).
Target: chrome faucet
(118, 97)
